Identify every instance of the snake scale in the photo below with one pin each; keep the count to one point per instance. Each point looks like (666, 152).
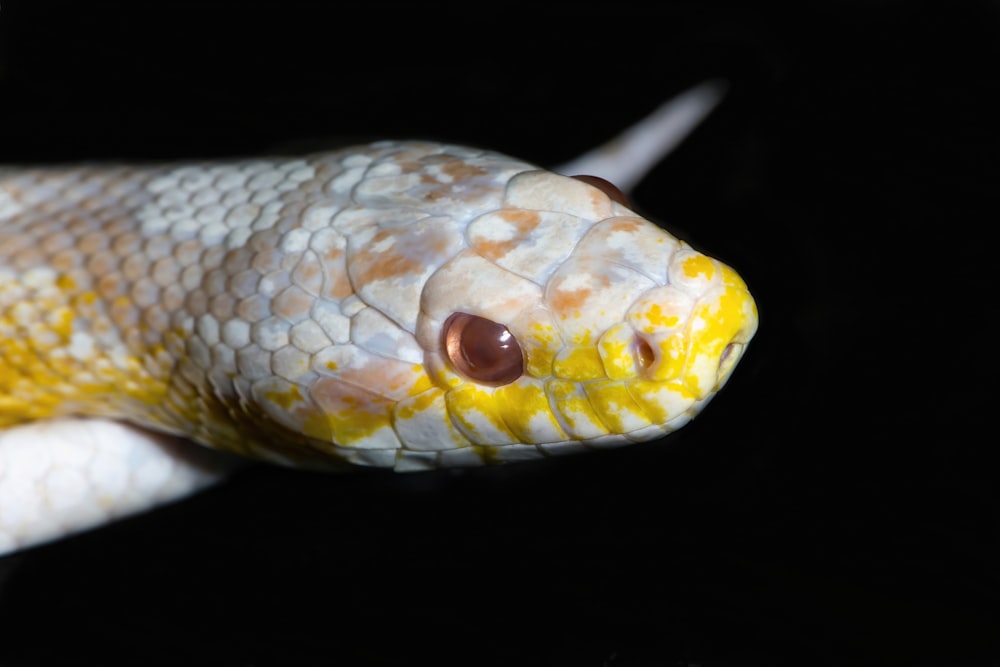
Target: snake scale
(403, 304)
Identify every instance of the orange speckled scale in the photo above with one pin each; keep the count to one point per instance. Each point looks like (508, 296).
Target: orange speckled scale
(320, 310)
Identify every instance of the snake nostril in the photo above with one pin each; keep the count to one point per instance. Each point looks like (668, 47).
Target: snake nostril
(725, 353)
(644, 353)
(727, 360)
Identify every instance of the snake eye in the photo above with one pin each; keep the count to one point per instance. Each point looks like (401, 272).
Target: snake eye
(605, 186)
(482, 350)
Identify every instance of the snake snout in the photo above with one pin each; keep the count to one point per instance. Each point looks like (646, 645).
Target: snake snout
(733, 350)
(731, 354)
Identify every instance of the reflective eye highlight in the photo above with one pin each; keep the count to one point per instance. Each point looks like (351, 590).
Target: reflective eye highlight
(605, 186)
(482, 350)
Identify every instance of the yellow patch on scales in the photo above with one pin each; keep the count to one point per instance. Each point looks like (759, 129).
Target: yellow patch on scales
(51, 367)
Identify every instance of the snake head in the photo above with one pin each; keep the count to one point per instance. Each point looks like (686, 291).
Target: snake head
(430, 306)
(570, 322)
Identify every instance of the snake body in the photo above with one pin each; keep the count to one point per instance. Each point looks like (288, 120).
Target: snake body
(410, 305)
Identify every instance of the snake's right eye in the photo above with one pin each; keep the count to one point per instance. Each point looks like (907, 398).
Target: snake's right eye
(605, 186)
(482, 350)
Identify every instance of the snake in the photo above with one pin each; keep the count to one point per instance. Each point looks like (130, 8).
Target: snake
(402, 304)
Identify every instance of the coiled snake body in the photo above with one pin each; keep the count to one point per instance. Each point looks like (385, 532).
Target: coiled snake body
(402, 304)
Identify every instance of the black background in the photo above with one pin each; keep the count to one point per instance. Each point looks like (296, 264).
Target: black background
(835, 505)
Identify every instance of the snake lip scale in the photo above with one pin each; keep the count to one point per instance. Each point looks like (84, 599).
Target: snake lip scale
(401, 304)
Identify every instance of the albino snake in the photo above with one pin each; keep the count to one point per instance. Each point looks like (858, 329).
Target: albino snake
(412, 305)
